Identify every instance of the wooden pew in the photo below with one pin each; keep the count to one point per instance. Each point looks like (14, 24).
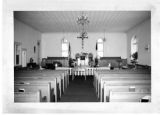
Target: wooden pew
(121, 81)
(62, 80)
(105, 77)
(63, 73)
(98, 75)
(68, 71)
(45, 89)
(125, 82)
(35, 80)
(127, 96)
(110, 77)
(65, 76)
(60, 75)
(125, 88)
(144, 71)
(27, 96)
(99, 72)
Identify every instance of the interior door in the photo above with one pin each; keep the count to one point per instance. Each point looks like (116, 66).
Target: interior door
(17, 53)
(38, 51)
(24, 57)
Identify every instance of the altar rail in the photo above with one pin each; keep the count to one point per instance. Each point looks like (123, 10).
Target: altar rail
(81, 71)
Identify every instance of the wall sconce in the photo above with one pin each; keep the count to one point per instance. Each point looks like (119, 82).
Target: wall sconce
(147, 47)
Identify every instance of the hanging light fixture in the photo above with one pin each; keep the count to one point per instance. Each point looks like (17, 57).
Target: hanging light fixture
(104, 39)
(82, 21)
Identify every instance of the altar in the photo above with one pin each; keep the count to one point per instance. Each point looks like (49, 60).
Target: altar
(83, 59)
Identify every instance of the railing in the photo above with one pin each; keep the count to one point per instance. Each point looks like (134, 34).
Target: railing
(82, 70)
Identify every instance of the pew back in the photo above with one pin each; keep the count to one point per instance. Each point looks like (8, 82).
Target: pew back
(112, 77)
(125, 88)
(39, 80)
(123, 82)
(44, 87)
(127, 96)
(97, 78)
(27, 96)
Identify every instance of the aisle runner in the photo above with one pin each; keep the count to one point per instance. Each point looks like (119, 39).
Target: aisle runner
(80, 90)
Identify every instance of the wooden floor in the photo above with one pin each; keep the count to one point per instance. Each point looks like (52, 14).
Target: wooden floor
(80, 90)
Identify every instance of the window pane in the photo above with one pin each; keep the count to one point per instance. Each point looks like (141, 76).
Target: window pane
(64, 47)
(100, 40)
(134, 48)
(100, 47)
(64, 54)
(100, 54)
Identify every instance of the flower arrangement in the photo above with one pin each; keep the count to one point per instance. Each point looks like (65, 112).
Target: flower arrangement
(134, 58)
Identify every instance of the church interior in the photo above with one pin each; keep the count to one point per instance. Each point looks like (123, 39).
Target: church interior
(82, 56)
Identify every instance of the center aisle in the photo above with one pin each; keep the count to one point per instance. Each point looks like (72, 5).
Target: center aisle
(80, 90)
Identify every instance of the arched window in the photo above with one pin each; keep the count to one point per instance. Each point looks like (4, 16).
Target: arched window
(134, 48)
(64, 48)
(100, 48)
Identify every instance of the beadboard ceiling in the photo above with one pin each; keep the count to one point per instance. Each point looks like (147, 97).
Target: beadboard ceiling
(65, 21)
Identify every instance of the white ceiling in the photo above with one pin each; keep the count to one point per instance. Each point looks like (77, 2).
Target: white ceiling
(65, 21)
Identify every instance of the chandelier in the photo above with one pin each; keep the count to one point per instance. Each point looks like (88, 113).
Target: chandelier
(82, 21)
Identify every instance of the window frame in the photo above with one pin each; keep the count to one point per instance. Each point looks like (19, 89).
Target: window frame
(63, 51)
(99, 51)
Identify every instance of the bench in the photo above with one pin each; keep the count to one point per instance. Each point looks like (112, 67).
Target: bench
(47, 73)
(104, 77)
(97, 73)
(110, 77)
(35, 80)
(127, 96)
(62, 73)
(124, 82)
(45, 89)
(27, 96)
(107, 76)
(125, 88)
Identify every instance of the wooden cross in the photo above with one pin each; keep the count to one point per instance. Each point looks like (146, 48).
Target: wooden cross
(83, 36)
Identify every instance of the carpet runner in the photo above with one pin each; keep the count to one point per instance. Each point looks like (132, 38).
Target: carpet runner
(80, 90)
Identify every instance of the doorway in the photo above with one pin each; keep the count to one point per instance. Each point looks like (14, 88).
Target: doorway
(38, 51)
(24, 57)
(17, 53)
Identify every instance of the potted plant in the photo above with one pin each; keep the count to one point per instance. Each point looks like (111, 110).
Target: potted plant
(134, 58)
